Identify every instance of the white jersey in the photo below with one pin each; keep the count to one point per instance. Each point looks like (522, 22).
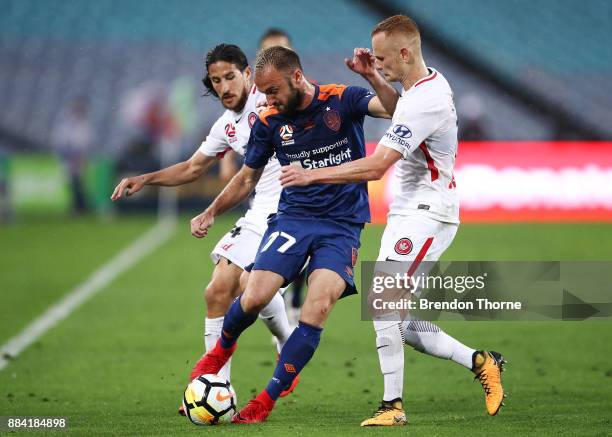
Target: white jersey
(231, 132)
(424, 131)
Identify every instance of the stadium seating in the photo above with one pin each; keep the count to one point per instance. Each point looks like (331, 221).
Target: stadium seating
(560, 48)
(51, 52)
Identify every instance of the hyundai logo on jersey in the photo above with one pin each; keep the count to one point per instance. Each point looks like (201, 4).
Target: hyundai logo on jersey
(402, 131)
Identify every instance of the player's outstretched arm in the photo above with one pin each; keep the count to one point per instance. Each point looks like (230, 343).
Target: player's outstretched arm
(236, 191)
(363, 63)
(177, 174)
(370, 168)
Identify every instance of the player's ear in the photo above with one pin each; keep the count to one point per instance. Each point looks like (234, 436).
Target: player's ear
(406, 55)
(247, 73)
(296, 76)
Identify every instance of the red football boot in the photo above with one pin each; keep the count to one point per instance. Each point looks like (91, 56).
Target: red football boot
(213, 360)
(256, 411)
(292, 387)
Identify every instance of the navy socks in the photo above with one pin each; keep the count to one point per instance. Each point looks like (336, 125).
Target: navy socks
(296, 353)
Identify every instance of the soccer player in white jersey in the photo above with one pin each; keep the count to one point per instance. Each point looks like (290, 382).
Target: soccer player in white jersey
(424, 215)
(228, 77)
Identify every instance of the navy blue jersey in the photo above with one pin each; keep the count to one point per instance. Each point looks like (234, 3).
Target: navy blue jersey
(329, 132)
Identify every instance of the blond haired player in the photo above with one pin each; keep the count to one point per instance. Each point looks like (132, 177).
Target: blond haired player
(228, 77)
(424, 215)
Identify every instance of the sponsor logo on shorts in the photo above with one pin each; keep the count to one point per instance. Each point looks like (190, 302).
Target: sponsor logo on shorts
(226, 247)
(403, 246)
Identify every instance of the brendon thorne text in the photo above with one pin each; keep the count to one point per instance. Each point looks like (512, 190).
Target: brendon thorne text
(451, 305)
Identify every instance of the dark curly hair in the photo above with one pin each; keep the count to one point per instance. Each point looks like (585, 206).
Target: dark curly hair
(223, 52)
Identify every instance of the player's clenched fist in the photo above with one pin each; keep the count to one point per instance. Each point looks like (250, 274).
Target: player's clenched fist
(293, 175)
(201, 223)
(129, 186)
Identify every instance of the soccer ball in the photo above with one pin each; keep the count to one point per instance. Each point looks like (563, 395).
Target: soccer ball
(209, 400)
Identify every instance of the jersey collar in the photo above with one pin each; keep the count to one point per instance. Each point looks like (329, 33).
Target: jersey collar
(315, 98)
(433, 73)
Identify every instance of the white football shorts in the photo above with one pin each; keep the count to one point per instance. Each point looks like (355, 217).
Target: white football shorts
(240, 244)
(412, 239)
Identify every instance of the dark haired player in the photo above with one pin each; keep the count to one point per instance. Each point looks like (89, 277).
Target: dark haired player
(274, 37)
(228, 77)
(310, 126)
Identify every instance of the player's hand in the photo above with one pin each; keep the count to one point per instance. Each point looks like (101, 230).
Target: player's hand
(363, 62)
(262, 106)
(294, 176)
(128, 186)
(201, 223)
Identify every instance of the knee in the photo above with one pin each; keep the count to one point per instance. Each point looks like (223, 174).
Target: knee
(323, 305)
(216, 295)
(261, 288)
(252, 302)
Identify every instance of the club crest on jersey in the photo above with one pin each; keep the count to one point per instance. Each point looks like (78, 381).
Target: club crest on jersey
(402, 131)
(230, 130)
(403, 246)
(286, 134)
(332, 119)
(252, 118)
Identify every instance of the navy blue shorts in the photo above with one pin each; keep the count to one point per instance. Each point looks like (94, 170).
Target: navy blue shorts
(289, 241)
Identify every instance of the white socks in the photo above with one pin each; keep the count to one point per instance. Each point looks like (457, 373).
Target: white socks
(274, 317)
(421, 335)
(212, 333)
(390, 348)
(430, 339)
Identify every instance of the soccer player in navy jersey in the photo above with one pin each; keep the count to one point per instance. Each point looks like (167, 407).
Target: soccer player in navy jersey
(312, 126)
(421, 144)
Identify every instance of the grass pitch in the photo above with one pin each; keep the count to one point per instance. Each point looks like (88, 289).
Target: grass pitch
(117, 366)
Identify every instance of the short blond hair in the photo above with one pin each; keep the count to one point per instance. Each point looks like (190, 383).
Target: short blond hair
(398, 24)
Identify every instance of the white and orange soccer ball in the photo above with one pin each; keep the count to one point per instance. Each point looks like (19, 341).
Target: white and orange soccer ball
(209, 400)
(286, 132)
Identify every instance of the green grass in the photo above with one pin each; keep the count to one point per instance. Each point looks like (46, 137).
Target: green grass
(117, 366)
(42, 260)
